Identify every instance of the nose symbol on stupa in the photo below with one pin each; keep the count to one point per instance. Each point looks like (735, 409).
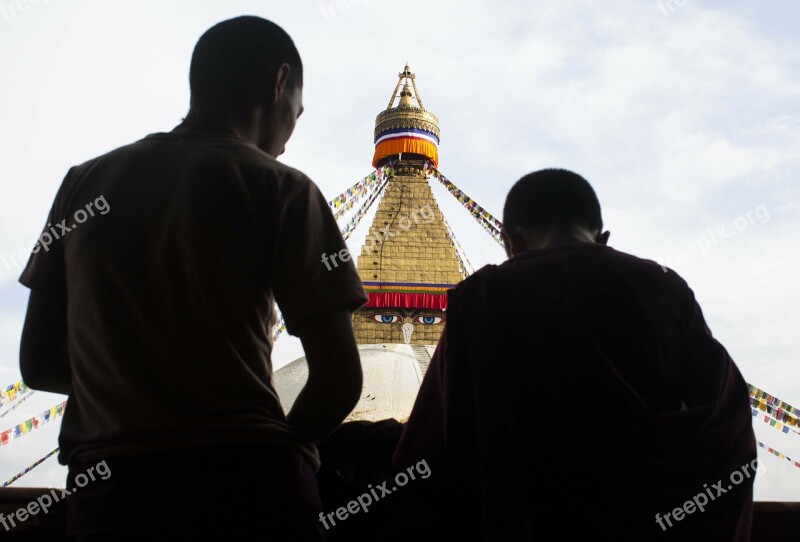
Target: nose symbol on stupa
(408, 329)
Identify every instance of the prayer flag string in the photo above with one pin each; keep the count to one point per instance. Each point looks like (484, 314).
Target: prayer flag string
(29, 468)
(363, 188)
(776, 453)
(772, 400)
(779, 416)
(22, 398)
(487, 221)
(29, 425)
(782, 427)
(465, 263)
(10, 392)
(279, 327)
(350, 227)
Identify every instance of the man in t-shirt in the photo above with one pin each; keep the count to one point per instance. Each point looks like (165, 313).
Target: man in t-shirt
(577, 393)
(152, 304)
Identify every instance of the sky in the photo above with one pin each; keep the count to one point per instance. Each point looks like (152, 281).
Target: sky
(683, 114)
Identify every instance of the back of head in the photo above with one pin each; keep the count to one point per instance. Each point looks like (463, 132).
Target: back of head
(552, 198)
(235, 59)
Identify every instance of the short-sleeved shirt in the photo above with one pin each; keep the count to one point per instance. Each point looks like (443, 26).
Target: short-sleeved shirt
(172, 253)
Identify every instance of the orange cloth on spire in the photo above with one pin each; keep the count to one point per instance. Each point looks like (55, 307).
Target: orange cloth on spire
(396, 146)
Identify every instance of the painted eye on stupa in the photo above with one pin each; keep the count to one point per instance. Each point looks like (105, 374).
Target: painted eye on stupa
(386, 318)
(428, 320)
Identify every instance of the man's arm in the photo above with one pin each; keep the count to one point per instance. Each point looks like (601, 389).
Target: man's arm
(334, 376)
(43, 357)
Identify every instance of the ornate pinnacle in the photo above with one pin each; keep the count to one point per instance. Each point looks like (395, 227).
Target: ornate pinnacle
(406, 75)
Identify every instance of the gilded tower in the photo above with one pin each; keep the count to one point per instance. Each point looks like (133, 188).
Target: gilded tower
(407, 263)
(408, 260)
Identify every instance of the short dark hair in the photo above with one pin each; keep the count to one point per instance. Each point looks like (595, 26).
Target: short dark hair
(231, 57)
(552, 197)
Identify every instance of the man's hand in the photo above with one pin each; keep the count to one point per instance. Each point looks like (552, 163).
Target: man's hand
(43, 357)
(334, 376)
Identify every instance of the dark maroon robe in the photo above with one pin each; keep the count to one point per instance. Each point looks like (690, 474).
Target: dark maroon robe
(577, 392)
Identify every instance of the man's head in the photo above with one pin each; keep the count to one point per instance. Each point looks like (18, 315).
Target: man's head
(249, 66)
(551, 207)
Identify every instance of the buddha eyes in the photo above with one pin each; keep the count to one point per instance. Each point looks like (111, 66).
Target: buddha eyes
(394, 318)
(386, 318)
(428, 320)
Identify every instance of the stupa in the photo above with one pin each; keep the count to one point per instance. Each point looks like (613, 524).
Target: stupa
(407, 263)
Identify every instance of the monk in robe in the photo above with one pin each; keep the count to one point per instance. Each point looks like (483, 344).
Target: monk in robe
(577, 392)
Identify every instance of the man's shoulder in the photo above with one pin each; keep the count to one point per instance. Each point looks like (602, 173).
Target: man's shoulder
(600, 260)
(115, 153)
(236, 154)
(591, 258)
(474, 285)
(645, 269)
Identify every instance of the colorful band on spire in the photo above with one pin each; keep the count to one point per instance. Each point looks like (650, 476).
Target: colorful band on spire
(410, 133)
(406, 145)
(407, 295)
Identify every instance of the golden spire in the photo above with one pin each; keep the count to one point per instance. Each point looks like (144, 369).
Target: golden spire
(405, 95)
(405, 98)
(407, 127)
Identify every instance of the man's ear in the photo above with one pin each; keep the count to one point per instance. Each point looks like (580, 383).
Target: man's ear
(602, 238)
(514, 243)
(281, 79)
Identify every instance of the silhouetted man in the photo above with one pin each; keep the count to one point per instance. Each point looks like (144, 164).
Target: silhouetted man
(577, 393)
(156, 316)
